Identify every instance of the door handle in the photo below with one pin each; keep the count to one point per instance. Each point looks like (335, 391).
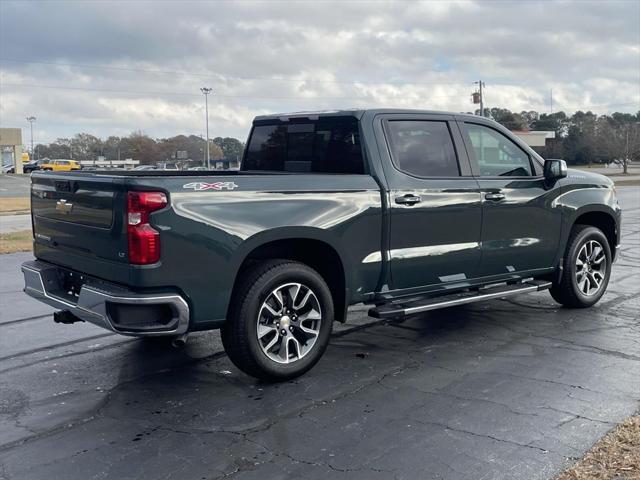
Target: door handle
(494, 196)
(408, 199)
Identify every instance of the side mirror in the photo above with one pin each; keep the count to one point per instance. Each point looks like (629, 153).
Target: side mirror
(555, 169)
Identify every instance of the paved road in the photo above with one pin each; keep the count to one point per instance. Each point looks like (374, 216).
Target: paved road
(14, 186)
(509, 389)
(14, 223)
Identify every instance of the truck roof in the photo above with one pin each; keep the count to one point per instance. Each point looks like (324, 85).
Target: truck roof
(355, 112)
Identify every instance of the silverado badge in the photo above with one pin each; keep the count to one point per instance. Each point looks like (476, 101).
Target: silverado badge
(200, 186)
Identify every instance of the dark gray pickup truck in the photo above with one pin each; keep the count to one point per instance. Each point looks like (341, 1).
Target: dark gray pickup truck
(405, 210)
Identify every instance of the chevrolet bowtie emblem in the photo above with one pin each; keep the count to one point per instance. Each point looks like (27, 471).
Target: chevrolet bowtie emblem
(63, 207)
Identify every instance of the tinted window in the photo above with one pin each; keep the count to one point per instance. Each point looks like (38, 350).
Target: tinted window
(423, 148)
(326, 145)
(496, 154)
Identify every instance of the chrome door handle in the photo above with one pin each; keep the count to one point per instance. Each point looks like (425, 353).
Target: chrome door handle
(408, 199)
(494, 196)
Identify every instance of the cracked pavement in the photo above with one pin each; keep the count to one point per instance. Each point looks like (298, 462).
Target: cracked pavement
(514, 388)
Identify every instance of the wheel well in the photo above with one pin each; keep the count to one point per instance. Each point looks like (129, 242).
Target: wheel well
(604, 222)
(316, 254)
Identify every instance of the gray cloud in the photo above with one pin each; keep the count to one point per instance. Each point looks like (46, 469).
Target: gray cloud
(278, 56)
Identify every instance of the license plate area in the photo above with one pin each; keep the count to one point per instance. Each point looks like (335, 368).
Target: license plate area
(68, 285)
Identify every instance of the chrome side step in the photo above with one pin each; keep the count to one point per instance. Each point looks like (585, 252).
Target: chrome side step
(399, 309)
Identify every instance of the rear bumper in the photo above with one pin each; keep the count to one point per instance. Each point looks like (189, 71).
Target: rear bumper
(107, 305)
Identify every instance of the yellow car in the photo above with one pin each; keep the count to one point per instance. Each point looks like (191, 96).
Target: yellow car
(60, 165)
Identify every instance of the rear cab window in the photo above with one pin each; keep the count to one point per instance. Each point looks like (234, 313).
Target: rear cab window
(423, 148)
(323, 145)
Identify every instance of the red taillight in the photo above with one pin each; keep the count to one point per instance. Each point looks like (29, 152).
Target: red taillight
(144, 241)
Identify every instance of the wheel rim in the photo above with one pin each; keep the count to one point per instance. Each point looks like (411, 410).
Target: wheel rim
(289, 323)
(591, 268)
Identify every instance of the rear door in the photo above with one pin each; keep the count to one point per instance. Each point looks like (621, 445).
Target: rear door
(434, 202)
(521, 227)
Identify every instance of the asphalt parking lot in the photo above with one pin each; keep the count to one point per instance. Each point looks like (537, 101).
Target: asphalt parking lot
(509, 389)
(14, 185)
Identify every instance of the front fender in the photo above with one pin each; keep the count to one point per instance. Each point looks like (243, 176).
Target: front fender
(578, 200)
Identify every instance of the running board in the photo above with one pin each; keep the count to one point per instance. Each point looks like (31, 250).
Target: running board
(398, 309)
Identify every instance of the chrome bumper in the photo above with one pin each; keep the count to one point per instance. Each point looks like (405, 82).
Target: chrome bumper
(91, 304)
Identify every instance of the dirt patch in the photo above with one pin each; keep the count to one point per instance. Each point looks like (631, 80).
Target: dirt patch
(16, 242)
(14, 205)
(615, 457)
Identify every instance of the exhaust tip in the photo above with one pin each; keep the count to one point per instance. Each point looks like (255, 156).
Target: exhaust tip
(180, 341)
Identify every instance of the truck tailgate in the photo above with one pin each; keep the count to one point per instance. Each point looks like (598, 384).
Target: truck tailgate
(76, 215)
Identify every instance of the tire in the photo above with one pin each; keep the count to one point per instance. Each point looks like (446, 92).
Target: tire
(275, 295)
(578, 286)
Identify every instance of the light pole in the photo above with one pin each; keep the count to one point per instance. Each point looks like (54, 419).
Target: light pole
(32, 119)
(480, 83)
(206, 92)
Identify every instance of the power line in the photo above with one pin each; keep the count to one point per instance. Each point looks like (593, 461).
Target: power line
(140, 92)
(211, 75)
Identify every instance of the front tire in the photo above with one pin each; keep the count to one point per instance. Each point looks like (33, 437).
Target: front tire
(280, 320)
(586, 268)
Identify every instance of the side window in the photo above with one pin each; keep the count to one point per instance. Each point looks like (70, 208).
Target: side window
(423, 148)
(326, 145)
(497, 155)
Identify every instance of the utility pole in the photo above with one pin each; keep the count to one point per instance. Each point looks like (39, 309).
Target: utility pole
(551, 99)
(207, 91)
(32, 119)
(480, 83)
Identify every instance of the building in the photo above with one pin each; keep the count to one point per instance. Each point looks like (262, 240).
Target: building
(534, 138)
(11, 147)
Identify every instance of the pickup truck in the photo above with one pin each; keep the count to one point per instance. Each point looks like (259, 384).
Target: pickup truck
(406, 211)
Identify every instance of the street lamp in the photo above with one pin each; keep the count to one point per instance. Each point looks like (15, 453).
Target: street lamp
(32, 119)
(206, 92)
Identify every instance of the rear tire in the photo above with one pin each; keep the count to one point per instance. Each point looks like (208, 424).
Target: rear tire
(280, 320)
(586, 268)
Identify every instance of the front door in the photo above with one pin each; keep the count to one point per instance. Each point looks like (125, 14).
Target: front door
(520, 227)
(434, 203)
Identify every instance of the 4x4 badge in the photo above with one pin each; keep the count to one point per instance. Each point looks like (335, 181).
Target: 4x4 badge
(200, 186)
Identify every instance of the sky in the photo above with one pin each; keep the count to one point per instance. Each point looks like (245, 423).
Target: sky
(113, 67)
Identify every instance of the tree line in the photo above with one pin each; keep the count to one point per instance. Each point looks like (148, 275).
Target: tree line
(581, 138)
(84, 146)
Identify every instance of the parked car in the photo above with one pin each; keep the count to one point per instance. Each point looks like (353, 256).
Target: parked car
(8, 168)
(407, 211)
(60, 165)
(33, 165)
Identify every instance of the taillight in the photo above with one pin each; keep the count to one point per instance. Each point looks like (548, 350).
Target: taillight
(144, 240)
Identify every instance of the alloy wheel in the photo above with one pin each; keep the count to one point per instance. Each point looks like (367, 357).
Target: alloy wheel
(591, 268)
(289, 322)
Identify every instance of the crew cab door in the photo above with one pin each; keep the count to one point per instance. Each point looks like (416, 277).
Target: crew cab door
(434, 202)
(520, 226)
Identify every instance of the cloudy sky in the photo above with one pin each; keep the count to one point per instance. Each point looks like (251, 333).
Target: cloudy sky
(112, 67)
